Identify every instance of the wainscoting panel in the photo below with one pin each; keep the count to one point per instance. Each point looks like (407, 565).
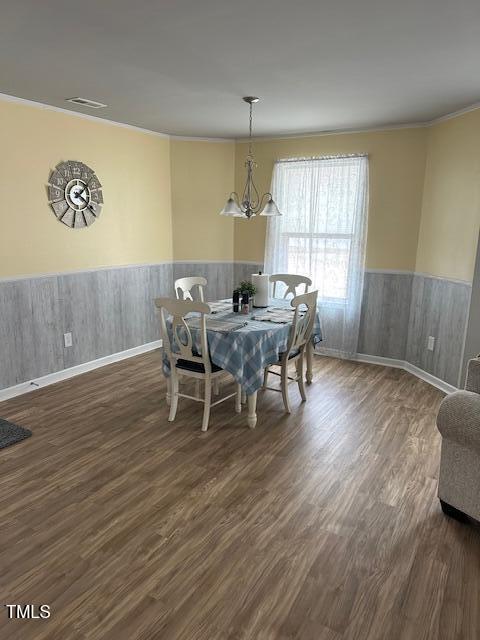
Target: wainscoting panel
(106, 310)
(384, 319)
(219, 276)
(332, 330)
(111, 310)
(439, 308)
(243, 271)
(24, 322)
(385, 314)
(43, 321)
(399, 312)
(81, 301)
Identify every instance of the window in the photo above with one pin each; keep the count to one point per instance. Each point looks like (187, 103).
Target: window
(319, 200)
(322, 231)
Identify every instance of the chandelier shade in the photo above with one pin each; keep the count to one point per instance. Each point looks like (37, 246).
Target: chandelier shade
(251, 203)
(270, 208)
(231, 208)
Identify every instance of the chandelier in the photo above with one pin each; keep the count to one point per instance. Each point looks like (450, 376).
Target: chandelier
(251, 204)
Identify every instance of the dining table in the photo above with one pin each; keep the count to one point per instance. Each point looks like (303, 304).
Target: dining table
(244, 344)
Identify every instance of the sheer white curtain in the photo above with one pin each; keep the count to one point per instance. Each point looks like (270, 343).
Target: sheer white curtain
(322, 234)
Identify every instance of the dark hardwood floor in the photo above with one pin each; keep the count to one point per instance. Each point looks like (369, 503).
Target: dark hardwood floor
(321, 525)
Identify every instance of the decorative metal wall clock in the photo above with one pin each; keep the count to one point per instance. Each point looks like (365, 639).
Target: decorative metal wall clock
(75, 194)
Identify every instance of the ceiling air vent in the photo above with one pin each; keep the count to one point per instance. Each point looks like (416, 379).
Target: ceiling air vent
(84, 102)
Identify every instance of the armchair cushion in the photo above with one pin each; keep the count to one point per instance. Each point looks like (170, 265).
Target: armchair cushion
(473, 375)
(458, 419)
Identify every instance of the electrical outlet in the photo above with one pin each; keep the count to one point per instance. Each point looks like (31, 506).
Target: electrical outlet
(431, 343)
(67, 339)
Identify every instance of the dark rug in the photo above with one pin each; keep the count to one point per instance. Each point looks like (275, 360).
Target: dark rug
(10, 433)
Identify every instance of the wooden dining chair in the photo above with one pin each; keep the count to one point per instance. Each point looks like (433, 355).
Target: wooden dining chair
(184, 286)
(291, 281)
(298, 339)
(184, 359)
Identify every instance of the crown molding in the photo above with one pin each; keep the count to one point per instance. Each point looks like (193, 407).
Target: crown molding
(388, 127)
(78, 114)
(337, 132)
(454, 114)
(313, 134)
(194, 139)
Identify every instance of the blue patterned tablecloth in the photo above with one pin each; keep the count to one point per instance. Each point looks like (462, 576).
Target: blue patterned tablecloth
(246, 351)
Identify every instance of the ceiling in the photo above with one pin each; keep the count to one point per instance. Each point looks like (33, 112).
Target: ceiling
(182, 66)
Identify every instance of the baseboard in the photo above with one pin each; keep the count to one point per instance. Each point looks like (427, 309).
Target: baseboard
(386, 362)
(331, 353)
(410, 368)
(64, 374)
(427, 377)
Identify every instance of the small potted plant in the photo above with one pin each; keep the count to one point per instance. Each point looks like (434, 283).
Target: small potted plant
(247, 286)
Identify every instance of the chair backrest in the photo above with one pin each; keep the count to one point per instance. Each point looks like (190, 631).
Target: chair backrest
(303, 320)
(291, 281)
(184, 286)
(177, 339)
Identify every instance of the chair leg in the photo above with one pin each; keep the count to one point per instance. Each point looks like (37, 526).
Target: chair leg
(266, 371)
(238, 399)
(309, 356)
(216, 386)
(301, 383)
(284, 378)
(197, 388)
(208, 399)
(244, 397)
(168, 396)
(174, 396)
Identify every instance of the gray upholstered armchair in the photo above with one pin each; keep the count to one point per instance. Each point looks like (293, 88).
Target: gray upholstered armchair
(459, 423)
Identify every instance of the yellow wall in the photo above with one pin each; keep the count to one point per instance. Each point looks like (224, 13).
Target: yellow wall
(134, 168)
(202, 179)
(451, 199)
(397, 164)
(162, 197)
